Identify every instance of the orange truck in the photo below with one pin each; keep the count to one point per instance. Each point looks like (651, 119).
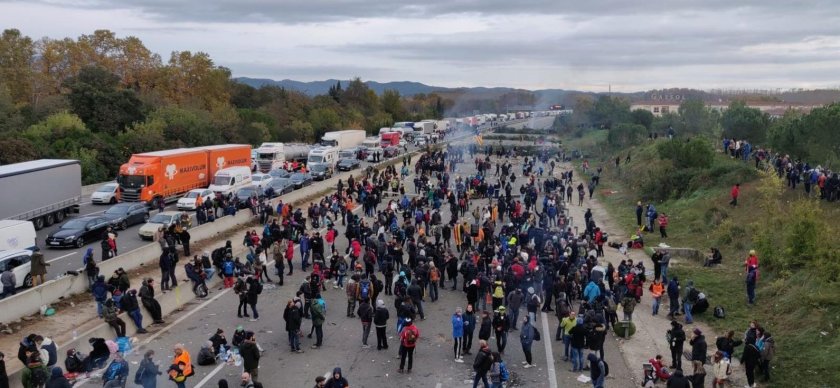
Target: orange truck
(157, 176)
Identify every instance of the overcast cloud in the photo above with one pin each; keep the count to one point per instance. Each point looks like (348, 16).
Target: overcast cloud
(532, 44)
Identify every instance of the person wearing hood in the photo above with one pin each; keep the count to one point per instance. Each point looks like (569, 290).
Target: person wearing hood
(148, 371)
(591, 292)
(129, 304)
(365, 313)
(47, 349)
(116, 374)
(111, 315)
(250, 353)
(91, 269)
(147, 297)
(689, 298)
(100, 293)
(57, 379)
(380, 321)
(597, 370)
(698, 352)
(595, 339)
(527, 336)
(501, 325)
(218, 340)
(678, 380)
(676, 339)
(337, 380)
(578, 341)
(206, 356)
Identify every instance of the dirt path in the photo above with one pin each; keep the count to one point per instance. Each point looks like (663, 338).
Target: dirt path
(649, 339)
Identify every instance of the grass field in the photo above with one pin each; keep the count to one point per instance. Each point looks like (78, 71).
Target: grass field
(798, 306)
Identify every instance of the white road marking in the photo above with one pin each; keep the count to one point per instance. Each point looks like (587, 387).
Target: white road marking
(210, 375)
(61, 257)
(549, 355)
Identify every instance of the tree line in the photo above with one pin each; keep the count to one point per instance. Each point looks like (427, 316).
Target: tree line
(100, 98)
(806, 136)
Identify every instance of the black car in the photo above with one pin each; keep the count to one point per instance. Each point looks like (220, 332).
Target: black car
(320, 172)
(300, 179)
(244, 194)
(125, 214)
(78, 232)
(281, 185)
(348, 164)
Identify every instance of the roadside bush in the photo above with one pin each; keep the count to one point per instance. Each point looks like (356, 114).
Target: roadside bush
(696, 152)
(625, 135)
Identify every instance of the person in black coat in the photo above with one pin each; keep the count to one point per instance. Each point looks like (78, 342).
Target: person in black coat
(57, 379)
(4, 378)
(677, 380)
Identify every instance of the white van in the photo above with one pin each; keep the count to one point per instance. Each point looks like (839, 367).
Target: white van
(323, 155)
(230, 180)
(16, 234)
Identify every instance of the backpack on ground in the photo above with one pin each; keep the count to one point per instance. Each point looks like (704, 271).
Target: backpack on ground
(504, 374)
(719, 312)
(364, 290)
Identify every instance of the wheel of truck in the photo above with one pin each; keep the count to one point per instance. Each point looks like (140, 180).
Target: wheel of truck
(27, 281)
(59, 216)
(49, 219)
(38, 223)
(155, 202)
(80, 242)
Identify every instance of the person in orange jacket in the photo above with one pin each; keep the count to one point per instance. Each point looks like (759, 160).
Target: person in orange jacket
(656, 289)
(181, 367)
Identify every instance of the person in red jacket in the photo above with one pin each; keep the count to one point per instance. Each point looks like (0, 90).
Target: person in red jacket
(663, 224)
(751, 261)
(736, 190)
(661, 372)
(408, 340)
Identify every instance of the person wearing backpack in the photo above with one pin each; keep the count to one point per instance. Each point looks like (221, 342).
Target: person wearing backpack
(598, 370)
(364, 290)
(116, 373)
(147, 372)
(691, 297)
(527, 335)
(228, 271)
(482, 364)
(408, 341)
(318, 311)
(498, 371)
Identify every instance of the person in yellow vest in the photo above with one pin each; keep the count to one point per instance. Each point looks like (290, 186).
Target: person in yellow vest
(458, 240)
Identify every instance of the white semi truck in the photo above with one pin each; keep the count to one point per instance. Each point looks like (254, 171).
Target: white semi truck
(343, 140)
(271, 156)
(42, 191)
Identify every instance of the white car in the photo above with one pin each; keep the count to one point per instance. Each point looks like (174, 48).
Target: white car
(403, 143)
(107, 193)
(162, 219)
(376, 150)
(189, 200)
(261, 180)
(20, 260)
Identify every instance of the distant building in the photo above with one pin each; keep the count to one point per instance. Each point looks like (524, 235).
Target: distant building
(665, 106)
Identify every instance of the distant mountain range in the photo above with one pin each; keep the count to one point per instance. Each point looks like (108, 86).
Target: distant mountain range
(546, 97)
(406, 88)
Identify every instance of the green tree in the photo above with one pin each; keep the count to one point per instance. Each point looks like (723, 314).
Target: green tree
(789, 135)
(625, 135)
(642, 117)
(609, 111)
(743, 122)
(16, 150)
(696, 118)
(98, 99)
(392, 104)
(16, 53)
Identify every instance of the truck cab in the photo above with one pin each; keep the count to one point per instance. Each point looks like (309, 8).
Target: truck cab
(229, 180)
(270, 156)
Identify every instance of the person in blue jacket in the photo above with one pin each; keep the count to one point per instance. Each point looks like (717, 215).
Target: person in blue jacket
(458, 334)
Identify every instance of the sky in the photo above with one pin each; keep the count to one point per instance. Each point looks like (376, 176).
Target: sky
(539, 44)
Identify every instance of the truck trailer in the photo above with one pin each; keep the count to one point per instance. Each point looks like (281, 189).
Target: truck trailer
(153, 177)
(343, 140)
(42, 191)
